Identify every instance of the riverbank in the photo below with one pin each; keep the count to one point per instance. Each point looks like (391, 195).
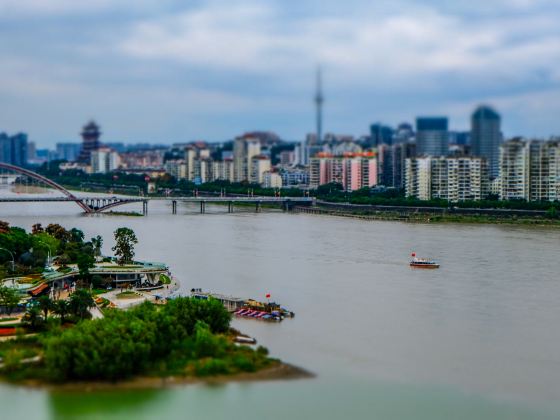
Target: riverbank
(429, 218)
(275, 372)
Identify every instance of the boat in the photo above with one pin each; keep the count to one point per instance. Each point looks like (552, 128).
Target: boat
(422, 262)
(247, 308)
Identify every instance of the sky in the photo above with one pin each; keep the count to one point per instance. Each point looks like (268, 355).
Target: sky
(171, 71)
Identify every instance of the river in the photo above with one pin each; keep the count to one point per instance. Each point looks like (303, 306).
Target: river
(477, 339)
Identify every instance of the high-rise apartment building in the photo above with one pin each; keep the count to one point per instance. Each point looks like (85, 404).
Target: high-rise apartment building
(486, 137)
(352, 172)
(177, 168)
(13, 149)
(391, 163)
(448, 178)
(244, 150)
(432, 136)
(544, 170)
(103, 160)
(530, 170)
(399, 154)
(380, 134)
(418, 178)
(223, 170)
(259, 165)
(272, 180)
(68, 151)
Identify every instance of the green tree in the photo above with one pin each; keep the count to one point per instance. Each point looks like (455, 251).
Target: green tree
(45, 304)
(32, 317)
(9, 298)
(124, 247)
(97, 243)
(61, 307)
(85, 262)
(76, 235)
(80, 303)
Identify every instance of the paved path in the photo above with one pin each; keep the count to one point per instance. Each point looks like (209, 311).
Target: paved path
(96, 313)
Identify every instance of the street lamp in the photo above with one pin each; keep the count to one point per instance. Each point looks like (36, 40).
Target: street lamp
(13, 261)
(49, 254)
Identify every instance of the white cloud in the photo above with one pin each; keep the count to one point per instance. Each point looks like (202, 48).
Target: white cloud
(252, 61)
(416, 42)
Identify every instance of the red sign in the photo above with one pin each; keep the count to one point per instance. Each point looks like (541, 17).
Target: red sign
(268, 295)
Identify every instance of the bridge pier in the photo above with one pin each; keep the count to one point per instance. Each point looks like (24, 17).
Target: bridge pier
(145, 207)
(174, 207)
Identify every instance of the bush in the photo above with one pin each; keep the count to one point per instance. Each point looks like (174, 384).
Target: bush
(244, 364)
(126, 343)
(208, 367)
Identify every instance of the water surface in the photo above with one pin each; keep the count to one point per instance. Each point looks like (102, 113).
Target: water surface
(478, 338)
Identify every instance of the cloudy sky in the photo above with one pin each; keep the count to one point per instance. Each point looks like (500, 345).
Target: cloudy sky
(170, 70)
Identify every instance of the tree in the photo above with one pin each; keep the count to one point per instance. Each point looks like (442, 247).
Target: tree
(61, 308)
(85, 262)
(124, 247)
(4, 227)
(80, 302)
(76, 235)
(9, 298)
(32, 317)
(54, 229)
(37, 228)
(97, 243)
(45, 304)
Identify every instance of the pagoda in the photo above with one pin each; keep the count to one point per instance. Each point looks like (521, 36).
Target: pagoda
(90, 135)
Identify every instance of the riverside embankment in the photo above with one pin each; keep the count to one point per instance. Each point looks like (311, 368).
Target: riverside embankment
(417, 214)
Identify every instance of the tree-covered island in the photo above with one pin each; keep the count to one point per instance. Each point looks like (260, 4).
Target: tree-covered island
(51, 283)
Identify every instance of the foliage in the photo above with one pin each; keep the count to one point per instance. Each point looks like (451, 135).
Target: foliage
(37, 228)
(80, 302)
(9, 298)
(124, 248)
(62, 308)
(85, 262)
(32, 318)
(181, 335)
(30, 251)
(97, 243)
(45, 304)
(4, 227)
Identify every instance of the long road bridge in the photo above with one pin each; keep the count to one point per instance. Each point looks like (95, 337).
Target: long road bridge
(100, 204)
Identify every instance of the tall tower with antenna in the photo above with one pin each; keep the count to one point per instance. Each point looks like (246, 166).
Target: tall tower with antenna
(319, 99)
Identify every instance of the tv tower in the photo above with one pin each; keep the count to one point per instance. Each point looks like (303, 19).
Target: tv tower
(319, 99)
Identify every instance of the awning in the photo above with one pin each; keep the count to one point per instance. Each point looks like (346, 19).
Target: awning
(38, 290)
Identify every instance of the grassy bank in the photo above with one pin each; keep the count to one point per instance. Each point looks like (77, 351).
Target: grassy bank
(431, 218)
(187, 339)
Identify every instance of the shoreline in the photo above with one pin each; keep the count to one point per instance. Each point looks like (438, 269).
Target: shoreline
(278, 371)
(431, 218)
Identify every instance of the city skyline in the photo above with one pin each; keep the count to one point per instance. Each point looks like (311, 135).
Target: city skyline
(164, 72)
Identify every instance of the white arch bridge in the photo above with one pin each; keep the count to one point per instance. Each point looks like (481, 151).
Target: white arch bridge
(100, 204)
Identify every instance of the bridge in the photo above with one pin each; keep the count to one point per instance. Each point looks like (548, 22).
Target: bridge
(100, 204)
(285, 202)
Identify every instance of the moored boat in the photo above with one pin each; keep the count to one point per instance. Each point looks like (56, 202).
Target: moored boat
(247, 308)
(422, 262)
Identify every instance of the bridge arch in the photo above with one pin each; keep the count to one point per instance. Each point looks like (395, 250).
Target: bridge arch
(48, 182)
